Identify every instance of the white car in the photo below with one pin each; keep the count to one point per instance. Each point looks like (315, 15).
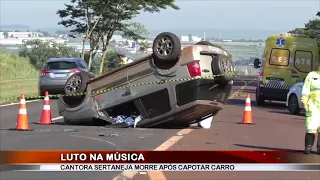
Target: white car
(294, 103)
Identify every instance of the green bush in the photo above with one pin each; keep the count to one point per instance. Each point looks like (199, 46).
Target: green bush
(15, 67)
(39, 52)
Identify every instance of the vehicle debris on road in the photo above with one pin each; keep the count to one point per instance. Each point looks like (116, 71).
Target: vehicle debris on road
(130, 121)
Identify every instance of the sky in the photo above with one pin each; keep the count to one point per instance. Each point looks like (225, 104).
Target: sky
(194, 14)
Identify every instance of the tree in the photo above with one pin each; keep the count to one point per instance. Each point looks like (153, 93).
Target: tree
(45, 33)
(112, 61)
(119, 13)
(143, 45)
(311, 29)
(104, 17)
(190, 38)
(82, 17)
(39, 51)
(5, 34)
(61, 32)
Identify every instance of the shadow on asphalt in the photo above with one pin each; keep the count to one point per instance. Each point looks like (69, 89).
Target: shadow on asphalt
(95, 123)
(271, 105)
(263, 147)
(248, 91)
(272, 148)
(101, 123)
(302, 114)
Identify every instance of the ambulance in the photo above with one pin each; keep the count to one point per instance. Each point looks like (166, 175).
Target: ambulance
(287, 59)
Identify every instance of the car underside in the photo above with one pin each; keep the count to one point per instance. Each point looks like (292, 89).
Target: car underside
(158, 90)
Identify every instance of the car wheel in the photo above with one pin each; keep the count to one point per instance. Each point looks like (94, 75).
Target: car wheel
(223, 65)
(293, 105)
(77, 83)
(166, 50)
(259, 99)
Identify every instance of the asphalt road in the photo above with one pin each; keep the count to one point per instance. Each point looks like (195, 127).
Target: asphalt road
(274, 128)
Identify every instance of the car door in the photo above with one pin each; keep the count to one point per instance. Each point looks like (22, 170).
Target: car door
(114, 91)
(152, 98)
(298, 92)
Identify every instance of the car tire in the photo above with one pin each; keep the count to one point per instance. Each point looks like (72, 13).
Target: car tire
(218, 66)
(166, 49)
(223, 65)
(293, 105)
(259, 99)
(77, 83)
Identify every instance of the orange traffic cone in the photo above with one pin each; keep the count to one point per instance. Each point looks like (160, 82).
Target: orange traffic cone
(22, 121)
(247, 115)
(46, 112)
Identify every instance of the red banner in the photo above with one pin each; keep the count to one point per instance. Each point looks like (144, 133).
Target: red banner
(41, 157)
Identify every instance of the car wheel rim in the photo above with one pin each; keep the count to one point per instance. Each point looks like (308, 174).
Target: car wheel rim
(226, 65)
(74, 84)
(164, 46)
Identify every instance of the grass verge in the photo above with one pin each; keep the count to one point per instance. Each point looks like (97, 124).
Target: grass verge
(17, 76)
(10, 89)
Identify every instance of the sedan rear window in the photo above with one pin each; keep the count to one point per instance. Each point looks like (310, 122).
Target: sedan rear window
(61, 65)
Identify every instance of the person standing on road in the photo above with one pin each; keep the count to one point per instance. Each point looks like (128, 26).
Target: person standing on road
(311, 100)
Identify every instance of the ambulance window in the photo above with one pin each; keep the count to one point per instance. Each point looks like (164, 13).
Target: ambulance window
(303, 61)
(279, 57)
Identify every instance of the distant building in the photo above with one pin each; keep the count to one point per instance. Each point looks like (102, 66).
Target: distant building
(117, 38)
(11, 41)
(187, 39)
(21, 41)
(24, 34)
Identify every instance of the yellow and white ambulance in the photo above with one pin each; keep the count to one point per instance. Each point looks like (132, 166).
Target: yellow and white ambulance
(287, 60)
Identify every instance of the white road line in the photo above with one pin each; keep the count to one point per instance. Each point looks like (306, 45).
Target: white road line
(18, 103)
(129, 175)
(57, 118)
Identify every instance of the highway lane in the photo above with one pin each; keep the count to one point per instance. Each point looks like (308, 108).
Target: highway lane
(60, 136)
(8, 114)
(275, 129)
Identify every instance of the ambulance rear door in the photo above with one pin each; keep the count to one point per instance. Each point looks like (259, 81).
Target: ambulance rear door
(277, 71)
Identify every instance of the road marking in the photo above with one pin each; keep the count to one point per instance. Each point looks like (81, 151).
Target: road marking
(4, 105)
(184, 131)
(57, 118)
(154, 175)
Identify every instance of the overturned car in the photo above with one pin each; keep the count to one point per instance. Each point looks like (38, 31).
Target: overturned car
(170, 87)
